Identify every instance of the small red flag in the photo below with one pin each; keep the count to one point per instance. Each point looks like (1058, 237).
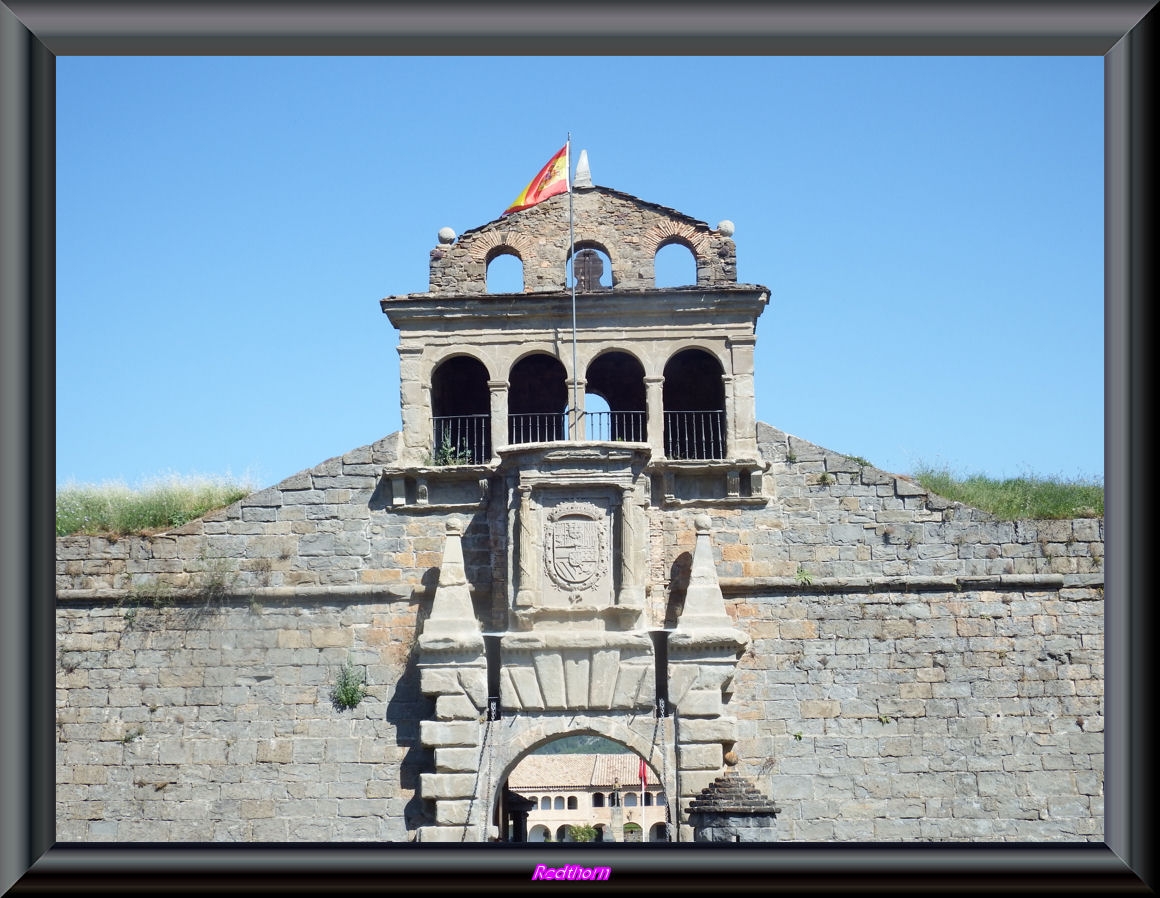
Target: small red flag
(643, 773)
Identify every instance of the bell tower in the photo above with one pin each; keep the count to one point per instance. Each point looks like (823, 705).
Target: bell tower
(563, 502)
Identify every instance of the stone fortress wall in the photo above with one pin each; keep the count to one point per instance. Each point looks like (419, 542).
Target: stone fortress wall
(939, 676)
(878, 662)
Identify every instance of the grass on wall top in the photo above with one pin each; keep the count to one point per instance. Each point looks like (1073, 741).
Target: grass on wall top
(1027, 497)
(114, 509)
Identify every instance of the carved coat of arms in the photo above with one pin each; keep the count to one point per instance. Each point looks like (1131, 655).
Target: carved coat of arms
(574, 546)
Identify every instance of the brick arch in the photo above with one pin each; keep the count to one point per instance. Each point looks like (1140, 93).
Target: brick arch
(666, 232)
(487, 246)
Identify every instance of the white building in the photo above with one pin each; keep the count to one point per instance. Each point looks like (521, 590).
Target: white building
(603, 791)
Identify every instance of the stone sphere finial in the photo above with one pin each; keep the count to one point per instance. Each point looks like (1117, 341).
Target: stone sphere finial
(725, 228)
(454, 525)
(703, 523)
(446, 235)
(731, 758)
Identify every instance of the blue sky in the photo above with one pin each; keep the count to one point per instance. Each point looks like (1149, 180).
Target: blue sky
(930, 229)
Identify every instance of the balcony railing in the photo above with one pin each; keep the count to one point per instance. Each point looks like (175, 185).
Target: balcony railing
(695, 435)
(628, 427)
(461, 440)
(537, 427)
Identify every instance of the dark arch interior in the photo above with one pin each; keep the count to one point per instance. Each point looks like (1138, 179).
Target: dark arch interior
(537, 400)
(694, 401)
(461, 412)
(618, 378)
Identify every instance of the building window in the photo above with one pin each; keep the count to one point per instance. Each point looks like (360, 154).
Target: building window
(597, 799)
(558, 805)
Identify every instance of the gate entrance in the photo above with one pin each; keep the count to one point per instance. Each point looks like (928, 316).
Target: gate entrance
(578, 654)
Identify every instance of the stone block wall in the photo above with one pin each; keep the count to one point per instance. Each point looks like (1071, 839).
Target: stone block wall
(916, 669)
(940, 715)
(194, 723)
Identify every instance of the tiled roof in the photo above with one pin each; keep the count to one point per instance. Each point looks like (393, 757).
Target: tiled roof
(578, 772)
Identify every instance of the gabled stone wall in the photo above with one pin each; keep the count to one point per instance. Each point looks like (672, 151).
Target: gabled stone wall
(627, 229)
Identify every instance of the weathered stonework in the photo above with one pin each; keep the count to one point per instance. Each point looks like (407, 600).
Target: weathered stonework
(885, 664)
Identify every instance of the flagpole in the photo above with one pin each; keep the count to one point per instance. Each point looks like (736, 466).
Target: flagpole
(572, 262)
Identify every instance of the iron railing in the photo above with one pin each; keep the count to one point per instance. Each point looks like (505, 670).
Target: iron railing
(628, 427)
(461, 440)
(695, 434)
(537, 427)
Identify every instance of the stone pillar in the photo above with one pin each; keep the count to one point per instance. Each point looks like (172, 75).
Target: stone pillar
(631, 588)
(528, 547)
(415, 399)
(577, 426)
(453, 671)
(730, 423)
(703, 653)
(499, 420)
(655, 396)
(744, 402)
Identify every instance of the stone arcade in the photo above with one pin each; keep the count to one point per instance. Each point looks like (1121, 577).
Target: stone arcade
(517, 565)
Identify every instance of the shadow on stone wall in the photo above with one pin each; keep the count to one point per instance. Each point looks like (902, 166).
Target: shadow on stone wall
(405, 709)
(678, 586)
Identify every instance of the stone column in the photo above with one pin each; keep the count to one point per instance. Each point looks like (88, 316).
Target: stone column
(577, 426)
(631, 591)
(654, 393)
(499, 421)
(415, 398)
(730, 424)
(703, 653)
(528, 548)
(744, 403)
(453, 671)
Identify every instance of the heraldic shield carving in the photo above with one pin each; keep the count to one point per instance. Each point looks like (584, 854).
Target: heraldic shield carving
(575, 546)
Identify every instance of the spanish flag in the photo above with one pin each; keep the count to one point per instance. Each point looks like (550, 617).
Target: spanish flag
(552, 180)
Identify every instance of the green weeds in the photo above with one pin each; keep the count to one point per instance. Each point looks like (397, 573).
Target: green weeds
(114, 509)
(1028, 497)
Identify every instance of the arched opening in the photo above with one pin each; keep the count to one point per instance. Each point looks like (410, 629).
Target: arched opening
(537, 400)
(674, 265)
(539, 833)
(599, 778)
(694, 401)
(590, 268)
(633, 832)
(618, 379)
(460, 412)
(656, 833)
(505, 272)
